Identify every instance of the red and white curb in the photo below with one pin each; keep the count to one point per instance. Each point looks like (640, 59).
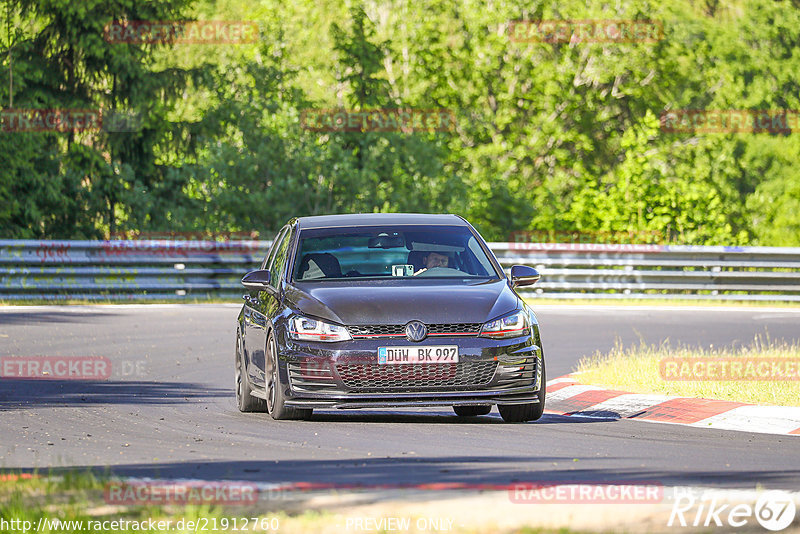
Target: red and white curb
(567, 396)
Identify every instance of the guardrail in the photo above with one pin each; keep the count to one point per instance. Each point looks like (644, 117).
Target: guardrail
(158, 269)
(578, 270)
(125, 270)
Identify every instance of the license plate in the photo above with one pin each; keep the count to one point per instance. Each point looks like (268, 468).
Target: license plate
(429, 354)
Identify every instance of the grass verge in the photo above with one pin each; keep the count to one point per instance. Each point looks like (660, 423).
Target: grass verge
(74, 502)
(764, 372)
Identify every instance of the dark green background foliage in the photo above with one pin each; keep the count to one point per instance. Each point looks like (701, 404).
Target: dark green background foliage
(549, 136)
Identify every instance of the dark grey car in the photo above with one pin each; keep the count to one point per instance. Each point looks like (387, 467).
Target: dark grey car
(377, 310)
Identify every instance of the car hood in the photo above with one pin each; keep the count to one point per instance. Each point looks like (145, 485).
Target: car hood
(392, 302)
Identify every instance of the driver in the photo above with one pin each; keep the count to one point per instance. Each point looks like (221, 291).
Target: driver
(434, 259)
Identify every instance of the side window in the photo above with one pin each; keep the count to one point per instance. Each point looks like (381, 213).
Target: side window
(275, 244)
(278, 267)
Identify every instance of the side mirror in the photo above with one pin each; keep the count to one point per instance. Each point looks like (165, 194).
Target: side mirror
(522, 275)
(257, 280)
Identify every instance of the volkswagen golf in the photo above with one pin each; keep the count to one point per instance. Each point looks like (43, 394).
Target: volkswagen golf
(387, 310)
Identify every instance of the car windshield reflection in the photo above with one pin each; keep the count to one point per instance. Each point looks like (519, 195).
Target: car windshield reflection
(390, 252)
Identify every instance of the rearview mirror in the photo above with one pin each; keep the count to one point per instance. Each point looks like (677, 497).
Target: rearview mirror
(386, 241)
(522, 275)
(257, 280)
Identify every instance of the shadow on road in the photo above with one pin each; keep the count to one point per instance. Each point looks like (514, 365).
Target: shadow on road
(465, 470)
(37, 317)
(32, 393)
(441, 417)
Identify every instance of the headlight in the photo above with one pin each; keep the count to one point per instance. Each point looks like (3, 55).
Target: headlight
(306, 329)
(513, 325)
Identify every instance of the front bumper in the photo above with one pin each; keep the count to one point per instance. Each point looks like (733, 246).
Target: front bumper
(465, 398)
(319, 375)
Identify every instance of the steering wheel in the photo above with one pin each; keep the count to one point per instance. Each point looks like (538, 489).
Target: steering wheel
(440, 271)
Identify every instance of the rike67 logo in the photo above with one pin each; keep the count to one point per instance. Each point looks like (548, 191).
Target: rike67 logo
(774, 510)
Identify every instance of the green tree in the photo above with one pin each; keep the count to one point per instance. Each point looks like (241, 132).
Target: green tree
(63, 61)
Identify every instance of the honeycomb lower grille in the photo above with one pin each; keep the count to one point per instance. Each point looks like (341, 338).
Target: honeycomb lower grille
(374, 377)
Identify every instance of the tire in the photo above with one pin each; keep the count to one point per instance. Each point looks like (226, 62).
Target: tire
(471, 411)
(276, 400)
(518, 413)
(244, 400)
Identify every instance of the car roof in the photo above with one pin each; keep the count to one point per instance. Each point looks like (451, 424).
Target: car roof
(379, 219)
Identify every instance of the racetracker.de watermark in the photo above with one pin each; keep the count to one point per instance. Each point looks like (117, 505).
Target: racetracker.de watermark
(50, 120)
(605, 492)
(729, 369)
(56, 367)
(172, 235)
(586, 236)
(774, 121)
(159, 492)
(585, 31)
(68, 120)
(588, 247)
(378, 120)
(70, 368)
(167, 248)
(213, 32)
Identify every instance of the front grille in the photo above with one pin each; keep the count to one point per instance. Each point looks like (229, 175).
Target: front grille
(377, 330)
(399, 330)
(374, 377)
(456, 329)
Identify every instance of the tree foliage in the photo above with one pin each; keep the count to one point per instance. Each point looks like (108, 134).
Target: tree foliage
(549, 135)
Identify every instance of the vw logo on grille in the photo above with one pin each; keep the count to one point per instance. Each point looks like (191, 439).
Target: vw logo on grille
(416, 331)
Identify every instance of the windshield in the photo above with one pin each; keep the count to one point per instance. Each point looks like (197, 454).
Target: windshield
(390, 251)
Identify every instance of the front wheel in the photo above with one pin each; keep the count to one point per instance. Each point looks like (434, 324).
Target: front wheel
(276, 400)
(244, 400)
(518, 413)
